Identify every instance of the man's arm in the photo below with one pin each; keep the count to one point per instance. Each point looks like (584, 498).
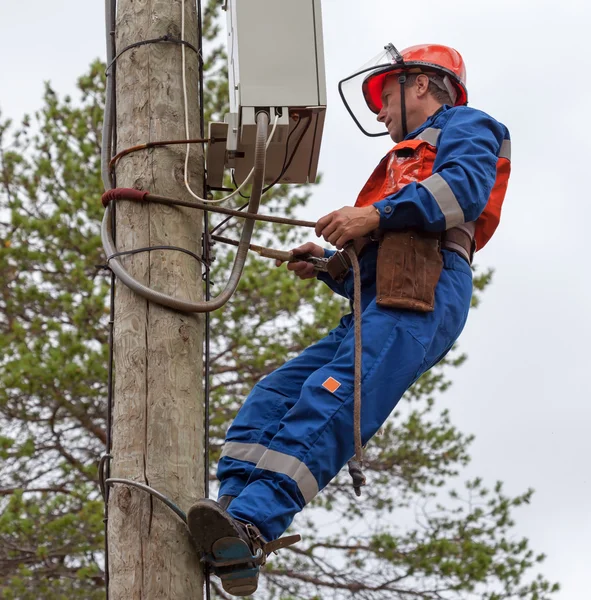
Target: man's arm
(463, 176)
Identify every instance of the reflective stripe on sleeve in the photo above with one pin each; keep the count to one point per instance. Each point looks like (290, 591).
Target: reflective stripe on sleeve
(505, 151)
(241, 451)
(446, 199)
(293, 468)
(430, 135)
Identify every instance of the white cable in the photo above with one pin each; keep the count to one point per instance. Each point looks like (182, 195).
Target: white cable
(186, 173)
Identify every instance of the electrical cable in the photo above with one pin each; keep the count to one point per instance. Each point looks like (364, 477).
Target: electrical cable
(108, 145)
(206, 251)
(287, 164)
(236, 186)
(283, 167)
(206, 258)
(165, 38)
(299, 143)
(262, 145)
(224, 221)
(150, 248)
(107, 137)
(147, 146)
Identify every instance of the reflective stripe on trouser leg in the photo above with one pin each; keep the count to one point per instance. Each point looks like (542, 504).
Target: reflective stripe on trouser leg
(258, 420)
(270, 460)
(318, 430)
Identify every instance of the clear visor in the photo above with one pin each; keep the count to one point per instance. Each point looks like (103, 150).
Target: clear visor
(351, 90)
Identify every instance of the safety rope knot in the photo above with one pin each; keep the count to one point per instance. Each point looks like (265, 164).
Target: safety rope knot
(356, 472)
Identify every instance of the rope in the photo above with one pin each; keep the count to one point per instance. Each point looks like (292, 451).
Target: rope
(356, 465)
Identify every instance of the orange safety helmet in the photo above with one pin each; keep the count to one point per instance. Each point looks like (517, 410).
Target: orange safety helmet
(363, 89)
(425, 58)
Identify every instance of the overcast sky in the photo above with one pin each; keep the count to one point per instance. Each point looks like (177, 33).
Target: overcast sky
(523, 392)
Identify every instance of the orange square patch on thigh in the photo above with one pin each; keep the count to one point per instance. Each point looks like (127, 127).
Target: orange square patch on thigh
(331, 384)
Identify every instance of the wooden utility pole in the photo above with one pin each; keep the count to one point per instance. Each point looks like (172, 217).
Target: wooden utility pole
(158, 400)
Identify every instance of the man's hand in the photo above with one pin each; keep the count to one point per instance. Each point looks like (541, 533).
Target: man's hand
(348, 223)
(301, 268)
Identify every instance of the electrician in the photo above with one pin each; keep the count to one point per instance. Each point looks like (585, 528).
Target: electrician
(432, 201)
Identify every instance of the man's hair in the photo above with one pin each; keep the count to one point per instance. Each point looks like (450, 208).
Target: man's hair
(437, 90)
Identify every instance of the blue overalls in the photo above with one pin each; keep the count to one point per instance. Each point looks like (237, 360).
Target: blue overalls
(295, 430)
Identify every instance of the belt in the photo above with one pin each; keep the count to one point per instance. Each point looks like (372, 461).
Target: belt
(460, 240)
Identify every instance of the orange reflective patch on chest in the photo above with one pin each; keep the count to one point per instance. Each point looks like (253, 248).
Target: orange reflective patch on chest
(408, 162)
(331, 384)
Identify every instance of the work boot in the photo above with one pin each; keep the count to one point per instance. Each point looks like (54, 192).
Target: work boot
(225, 501)
(235, 550)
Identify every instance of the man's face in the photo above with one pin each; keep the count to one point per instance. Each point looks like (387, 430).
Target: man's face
(391, 113)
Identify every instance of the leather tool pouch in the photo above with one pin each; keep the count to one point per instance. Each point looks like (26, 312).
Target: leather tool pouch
(409, 267)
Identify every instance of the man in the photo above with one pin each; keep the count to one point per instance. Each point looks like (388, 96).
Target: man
(440, 191)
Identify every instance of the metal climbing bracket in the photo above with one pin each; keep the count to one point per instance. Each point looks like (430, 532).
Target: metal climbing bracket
(257, 559)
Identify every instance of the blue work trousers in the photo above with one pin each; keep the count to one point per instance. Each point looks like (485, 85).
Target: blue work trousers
(295, 431)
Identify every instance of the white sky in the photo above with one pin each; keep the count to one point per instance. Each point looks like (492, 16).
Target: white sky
(523, 391)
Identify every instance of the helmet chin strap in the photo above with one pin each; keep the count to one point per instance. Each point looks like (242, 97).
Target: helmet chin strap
(402, 82)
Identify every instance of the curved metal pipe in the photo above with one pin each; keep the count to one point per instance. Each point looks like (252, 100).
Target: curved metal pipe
(146, 488)
(241, 253)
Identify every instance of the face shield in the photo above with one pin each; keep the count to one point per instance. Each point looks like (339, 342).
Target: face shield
(351, 91)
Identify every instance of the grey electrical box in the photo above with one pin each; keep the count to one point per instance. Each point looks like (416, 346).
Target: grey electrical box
(275, 64)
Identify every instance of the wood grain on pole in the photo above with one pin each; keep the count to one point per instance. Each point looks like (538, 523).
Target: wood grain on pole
(158, 410)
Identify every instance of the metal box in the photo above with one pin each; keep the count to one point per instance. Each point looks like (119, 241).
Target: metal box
(276, 64)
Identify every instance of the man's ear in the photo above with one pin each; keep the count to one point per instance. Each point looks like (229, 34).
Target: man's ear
(422, 85)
